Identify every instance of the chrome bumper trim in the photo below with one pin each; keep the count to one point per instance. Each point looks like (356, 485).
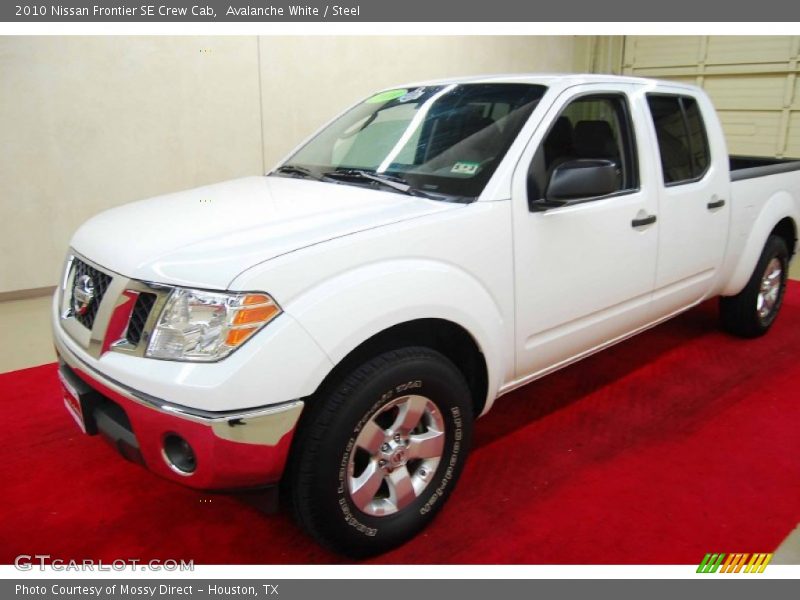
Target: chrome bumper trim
(290, 410)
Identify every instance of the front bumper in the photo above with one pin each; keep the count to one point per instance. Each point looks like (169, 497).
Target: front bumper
(232, 450)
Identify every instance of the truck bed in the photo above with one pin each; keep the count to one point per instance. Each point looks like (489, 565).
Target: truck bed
(749, 167)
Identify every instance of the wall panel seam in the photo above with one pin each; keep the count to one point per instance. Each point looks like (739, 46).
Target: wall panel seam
(261, 105)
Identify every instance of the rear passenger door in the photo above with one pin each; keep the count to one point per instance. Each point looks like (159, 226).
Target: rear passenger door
(693, 209)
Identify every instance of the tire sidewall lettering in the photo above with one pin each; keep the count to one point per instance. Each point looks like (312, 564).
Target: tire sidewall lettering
(458, 434)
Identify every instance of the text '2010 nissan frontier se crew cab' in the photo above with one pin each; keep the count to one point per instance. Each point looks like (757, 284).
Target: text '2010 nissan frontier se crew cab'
(338, 324)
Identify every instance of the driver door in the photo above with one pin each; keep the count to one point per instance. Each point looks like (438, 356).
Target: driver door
(585, 269)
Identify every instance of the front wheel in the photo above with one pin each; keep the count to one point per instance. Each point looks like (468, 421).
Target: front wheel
(753, 310)
(377, 457)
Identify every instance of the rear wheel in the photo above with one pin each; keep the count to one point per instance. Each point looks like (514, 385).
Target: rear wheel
(753, 310)
(377, 457)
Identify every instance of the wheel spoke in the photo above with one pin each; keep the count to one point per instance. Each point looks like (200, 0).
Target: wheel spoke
(770, 288)
(371, 437)
(365, 486)
(426, 445)
(409, 415)
(401, 489)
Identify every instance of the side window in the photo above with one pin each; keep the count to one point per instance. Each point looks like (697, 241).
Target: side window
(596, 127)
(698, 141)
(681, 134)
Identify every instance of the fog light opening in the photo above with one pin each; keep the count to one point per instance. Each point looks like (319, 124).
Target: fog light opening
(179, 455)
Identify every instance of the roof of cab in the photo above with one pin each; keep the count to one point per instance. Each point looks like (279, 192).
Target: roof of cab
(550, 80)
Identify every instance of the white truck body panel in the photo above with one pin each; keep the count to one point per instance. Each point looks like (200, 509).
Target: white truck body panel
(456, 266)
(756, 209)
(231, 224)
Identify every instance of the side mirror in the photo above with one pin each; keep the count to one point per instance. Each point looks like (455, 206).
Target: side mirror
(578, 180)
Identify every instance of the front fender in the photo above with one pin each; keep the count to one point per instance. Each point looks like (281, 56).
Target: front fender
(344, 311)
(775, 209)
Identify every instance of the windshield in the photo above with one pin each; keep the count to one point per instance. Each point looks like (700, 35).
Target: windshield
(443, 141)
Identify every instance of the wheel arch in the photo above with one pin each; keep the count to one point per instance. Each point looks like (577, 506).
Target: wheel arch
(420, 302)
(787, 230)
(779, 216)
(446, 337)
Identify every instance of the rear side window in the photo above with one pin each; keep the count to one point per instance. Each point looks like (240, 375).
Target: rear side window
(682, 140)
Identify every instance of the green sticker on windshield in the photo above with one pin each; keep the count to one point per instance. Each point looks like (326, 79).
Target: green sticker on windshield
(465, 168)
(386, 96)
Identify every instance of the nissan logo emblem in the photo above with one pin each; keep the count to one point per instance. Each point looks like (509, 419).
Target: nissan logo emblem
(82, 295)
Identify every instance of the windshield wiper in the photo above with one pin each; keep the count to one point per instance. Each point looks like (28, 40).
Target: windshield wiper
(387, 180)
(300, 172)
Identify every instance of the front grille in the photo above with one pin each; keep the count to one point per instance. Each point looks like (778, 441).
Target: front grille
(100, 283)
(141, 310)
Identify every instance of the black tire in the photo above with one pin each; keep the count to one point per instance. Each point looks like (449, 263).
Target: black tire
(739, 314)
(318, 477)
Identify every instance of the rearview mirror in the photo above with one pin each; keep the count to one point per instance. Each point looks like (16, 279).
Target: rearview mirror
(578, 180)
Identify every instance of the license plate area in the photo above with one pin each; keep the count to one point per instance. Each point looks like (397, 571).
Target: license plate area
(78, 400)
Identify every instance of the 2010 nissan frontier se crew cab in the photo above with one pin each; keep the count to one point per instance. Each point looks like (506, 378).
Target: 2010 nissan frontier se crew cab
(338, 324)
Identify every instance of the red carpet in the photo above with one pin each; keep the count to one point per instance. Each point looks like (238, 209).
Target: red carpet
(679, 442)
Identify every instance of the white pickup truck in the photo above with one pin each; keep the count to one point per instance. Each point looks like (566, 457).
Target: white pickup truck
(338, 324)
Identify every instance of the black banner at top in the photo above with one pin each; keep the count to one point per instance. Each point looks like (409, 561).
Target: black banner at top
(398, 10)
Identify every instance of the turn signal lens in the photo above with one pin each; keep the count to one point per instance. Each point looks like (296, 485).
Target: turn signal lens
(237, 336)
(255, 314)
(251, 299)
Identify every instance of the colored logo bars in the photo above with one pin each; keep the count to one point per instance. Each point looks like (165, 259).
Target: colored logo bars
(734, 563)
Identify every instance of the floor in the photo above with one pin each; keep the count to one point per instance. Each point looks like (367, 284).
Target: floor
(789, 551)
(25, 327)
(27, 323)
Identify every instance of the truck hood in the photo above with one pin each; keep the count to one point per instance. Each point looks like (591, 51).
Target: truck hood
(206, 236)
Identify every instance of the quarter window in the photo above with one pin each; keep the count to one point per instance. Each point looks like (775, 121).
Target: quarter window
(682, 140)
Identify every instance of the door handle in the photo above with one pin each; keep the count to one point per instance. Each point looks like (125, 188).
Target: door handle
(715, 204)
(644, 221)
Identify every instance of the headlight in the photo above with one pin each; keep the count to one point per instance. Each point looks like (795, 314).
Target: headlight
(207, 326)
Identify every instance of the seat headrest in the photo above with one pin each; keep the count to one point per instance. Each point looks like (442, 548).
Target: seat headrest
(595, 139)
(562, 129)
(559, 141)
